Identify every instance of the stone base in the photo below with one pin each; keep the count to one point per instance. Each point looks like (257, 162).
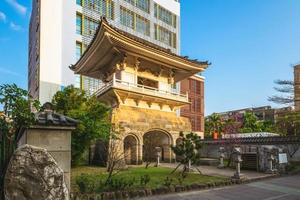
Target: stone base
(274, 171)
(221, 166)
(238, 177)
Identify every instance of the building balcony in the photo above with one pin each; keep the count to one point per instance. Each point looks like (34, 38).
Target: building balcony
(142, 90)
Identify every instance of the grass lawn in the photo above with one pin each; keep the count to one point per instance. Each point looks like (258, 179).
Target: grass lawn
(157, 176)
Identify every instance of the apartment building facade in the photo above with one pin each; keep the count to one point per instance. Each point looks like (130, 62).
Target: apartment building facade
(60, 31)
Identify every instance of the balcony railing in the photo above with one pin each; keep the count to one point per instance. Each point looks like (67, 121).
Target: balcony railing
(142, 89)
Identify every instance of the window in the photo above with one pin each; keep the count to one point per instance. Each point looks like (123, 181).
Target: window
(90, 26)
(141, 4)
(79, 24)
(78, 50)
(102, 7)
(79, 2)
(165, 15)
(165, 36)
(135, 21)
(142, 25)
(127, 17)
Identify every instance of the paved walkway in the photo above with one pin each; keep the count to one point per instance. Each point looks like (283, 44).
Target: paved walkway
(214, 171)
(284, 188)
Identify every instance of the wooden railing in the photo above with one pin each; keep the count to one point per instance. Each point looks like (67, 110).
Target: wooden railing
(116, 83)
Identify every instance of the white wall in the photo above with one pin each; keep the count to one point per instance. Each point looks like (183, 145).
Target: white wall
(50, 48)
(68, 42)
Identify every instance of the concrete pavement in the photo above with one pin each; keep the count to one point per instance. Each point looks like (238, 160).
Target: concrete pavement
(228, 172)
(283, 188)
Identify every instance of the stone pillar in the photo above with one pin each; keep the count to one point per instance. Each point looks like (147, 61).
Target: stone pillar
(222, 155)
(237, 159)
(270, 158)
(52, 132)
(158, 155)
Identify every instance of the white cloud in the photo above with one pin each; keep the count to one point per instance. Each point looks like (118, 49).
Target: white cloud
(15, 27)
(9, 72)
(2, 17)
(20, 8)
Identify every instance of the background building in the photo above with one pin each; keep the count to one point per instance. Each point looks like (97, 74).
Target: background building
(194, 86)
(264, 113)
(60, 31)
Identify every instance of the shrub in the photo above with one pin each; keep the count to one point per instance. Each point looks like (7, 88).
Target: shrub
(145, 179)
(120, 184)
(168, 182)
(86, 183)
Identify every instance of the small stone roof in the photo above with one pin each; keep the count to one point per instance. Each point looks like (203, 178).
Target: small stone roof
(49, 117)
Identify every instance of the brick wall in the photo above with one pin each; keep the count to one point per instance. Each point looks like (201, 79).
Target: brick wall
(195, 111)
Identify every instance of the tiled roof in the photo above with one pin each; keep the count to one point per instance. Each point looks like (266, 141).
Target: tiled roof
(49, 117)
(274, 140)
(142, 41)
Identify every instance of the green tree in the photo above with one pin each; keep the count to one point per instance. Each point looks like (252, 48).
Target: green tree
(252, 124)
(17, 108)
(289, 124)
(188, 149)
(92, 115)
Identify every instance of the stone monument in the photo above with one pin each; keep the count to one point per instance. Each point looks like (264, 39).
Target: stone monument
(33, 174)
(52, 131)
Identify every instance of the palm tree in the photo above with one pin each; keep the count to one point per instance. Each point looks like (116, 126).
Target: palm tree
(213, 124)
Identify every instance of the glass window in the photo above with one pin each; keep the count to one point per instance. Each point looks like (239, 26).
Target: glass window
(79, 2)
(164, 35)
(79, 24)
(142, 25)
(90, 26)
(127, 17)
(141, 4)
(165, 15)
(135, 21)
(102, 7)
(78, 50)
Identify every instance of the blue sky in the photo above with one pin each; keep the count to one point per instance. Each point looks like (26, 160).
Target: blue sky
(250, 43)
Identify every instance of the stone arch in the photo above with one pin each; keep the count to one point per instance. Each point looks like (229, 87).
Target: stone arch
(157, 138)
(131, 149)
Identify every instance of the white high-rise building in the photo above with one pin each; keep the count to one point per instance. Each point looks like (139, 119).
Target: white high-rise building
(60, 31)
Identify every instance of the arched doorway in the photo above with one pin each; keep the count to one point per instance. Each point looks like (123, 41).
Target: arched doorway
(131, 150)
(157, 138)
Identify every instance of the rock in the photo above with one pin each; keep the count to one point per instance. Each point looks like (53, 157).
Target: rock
(33, 174)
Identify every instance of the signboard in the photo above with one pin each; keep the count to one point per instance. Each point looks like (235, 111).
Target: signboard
(282, 158)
